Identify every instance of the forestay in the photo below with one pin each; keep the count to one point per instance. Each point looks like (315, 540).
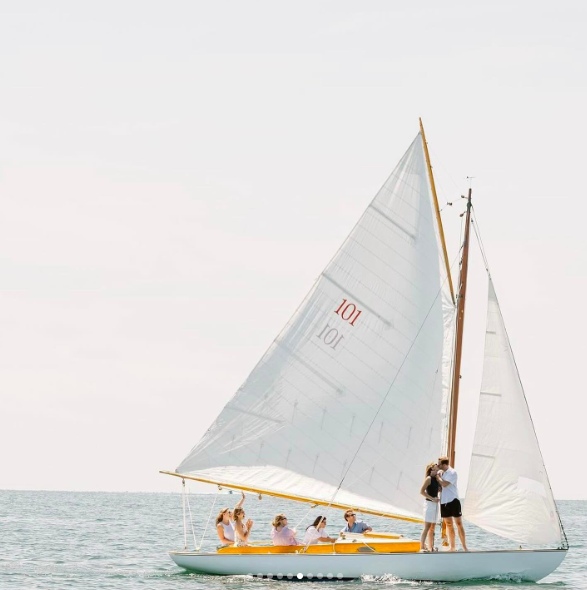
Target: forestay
(508, 492)
(299, 419)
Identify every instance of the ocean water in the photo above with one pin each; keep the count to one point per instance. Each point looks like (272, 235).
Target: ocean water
(120, 541)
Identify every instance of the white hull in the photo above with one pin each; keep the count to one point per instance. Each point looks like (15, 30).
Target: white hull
(438, 567)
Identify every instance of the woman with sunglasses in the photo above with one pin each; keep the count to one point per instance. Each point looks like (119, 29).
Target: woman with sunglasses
(242, 529)
(281, 533)
(315, 533)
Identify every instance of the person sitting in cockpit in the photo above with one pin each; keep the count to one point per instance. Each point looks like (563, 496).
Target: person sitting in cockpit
(353, 525)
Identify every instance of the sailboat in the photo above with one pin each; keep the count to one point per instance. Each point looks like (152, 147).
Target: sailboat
(360, 390)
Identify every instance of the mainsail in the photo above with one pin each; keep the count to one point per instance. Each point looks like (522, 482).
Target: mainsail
(508, 492)
(355, 384)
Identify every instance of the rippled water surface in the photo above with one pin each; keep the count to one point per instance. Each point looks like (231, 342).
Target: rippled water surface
(59, 540)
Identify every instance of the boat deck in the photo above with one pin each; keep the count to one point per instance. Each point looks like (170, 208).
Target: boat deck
(348, 543)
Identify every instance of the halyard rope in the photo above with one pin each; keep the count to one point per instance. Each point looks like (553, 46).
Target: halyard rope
(191, 519)
(185, 533)
(304, 517)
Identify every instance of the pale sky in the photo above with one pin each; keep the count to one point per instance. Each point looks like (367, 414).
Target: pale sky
(175, 175)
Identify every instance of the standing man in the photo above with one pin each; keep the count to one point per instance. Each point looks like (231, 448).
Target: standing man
(353, 525)
(450, 505)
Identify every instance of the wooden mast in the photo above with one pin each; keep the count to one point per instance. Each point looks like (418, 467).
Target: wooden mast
(437, 210)
(461, 300)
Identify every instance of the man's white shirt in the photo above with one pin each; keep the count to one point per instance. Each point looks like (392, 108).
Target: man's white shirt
(450, 492)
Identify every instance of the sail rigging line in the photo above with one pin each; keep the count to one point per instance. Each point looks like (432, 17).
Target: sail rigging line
(446, 170)
(191, 518)
(185, 532)
(480, 243)
(305, 516)
(207, 522)
(486, 263)
(388, 391)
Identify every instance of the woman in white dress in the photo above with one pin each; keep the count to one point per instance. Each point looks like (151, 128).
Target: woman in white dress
(316, 533)
(430, 489)
(242, 529)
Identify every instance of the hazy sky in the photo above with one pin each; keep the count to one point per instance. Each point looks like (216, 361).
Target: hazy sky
(175, 175)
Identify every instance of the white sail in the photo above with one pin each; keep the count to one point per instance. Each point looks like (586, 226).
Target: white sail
(332, 376)
(508, 492)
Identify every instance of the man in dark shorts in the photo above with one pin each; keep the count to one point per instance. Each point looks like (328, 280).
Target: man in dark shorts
(450, 505)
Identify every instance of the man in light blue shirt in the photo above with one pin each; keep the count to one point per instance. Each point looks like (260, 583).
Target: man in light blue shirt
(353, 525)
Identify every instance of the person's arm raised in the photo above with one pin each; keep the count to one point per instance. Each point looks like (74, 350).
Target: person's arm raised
(241, 501)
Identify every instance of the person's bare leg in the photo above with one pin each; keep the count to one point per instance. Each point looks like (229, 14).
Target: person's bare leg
(450, 532)
(461, 530)
(431, 537)
(423, 536)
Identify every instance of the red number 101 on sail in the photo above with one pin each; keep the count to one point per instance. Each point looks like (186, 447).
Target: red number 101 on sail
(348, 311)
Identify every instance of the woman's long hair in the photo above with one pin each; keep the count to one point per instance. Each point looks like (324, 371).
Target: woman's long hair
(318, 520)
(237, 513)
(279, 518)
(429, 468)
(221, 514)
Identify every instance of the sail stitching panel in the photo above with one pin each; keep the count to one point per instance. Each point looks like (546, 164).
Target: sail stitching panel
(388, 218)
